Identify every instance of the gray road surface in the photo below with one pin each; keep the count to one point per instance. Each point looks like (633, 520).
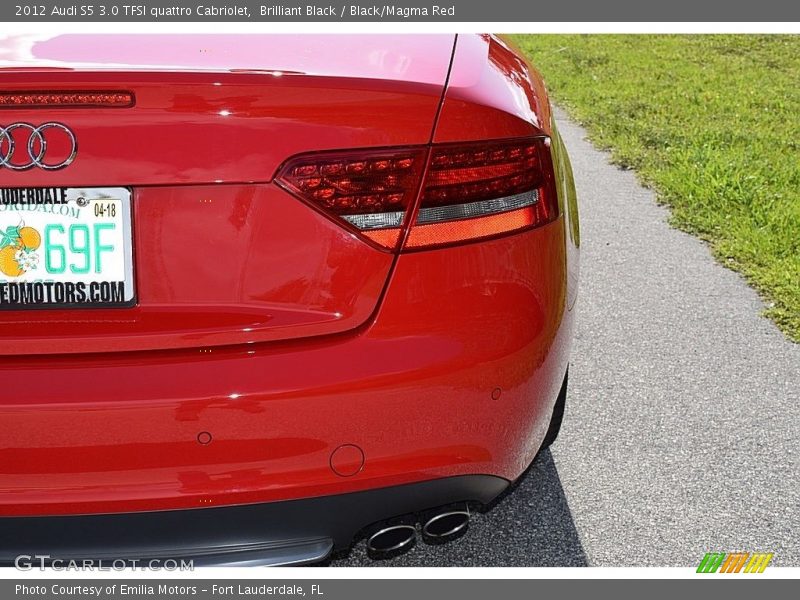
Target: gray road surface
(682, 431)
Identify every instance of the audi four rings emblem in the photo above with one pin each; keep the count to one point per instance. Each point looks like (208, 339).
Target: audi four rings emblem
(18, 155)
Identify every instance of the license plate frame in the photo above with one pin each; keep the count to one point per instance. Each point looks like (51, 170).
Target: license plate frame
(31, 207)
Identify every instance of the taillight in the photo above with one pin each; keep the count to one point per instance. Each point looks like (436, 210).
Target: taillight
(370, 190)
(470, 191)
(484, 189)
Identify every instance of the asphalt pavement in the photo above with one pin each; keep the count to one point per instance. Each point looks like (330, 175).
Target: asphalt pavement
(682, 430)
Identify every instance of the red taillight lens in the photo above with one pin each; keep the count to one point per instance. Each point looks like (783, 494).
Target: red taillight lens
(371, 190)
(480, 171)
(484, 189)
(452, 232)
(471, 191)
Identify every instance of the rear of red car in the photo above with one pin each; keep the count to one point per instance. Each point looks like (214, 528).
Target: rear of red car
(260, 293)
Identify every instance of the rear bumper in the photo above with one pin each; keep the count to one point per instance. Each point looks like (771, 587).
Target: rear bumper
(456, 374)
(276, 533)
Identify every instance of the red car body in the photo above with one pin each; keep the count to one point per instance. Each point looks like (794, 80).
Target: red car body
(275, 354)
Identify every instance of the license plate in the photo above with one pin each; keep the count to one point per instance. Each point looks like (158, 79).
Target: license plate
(65, 248)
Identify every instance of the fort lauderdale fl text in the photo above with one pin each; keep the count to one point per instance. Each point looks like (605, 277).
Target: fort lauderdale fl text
(143, 589)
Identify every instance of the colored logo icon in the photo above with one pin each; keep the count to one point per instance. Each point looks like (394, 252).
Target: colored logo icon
(18, 247)
(734, 562)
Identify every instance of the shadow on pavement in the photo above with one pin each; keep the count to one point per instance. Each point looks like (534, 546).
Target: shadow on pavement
(530, 525)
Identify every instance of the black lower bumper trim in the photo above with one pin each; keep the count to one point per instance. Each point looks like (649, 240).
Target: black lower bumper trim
(289, 532)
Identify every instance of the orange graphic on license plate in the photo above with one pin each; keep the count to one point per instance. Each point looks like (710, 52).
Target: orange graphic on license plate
(18, 245)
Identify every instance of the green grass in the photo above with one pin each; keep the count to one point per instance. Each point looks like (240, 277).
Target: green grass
(712, 123)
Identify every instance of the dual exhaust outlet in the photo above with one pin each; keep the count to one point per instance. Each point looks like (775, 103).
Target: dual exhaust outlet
(439, 526)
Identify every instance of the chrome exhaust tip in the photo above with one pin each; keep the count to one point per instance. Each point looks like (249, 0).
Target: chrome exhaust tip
(392, 539)
(447, 524)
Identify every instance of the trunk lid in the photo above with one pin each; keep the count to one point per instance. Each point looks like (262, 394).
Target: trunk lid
(221, 254)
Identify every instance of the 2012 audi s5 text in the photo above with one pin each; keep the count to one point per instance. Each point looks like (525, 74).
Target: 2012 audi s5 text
(264, 296)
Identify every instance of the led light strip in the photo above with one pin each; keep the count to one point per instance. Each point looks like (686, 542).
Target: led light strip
(481, 208)
(112, 99)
